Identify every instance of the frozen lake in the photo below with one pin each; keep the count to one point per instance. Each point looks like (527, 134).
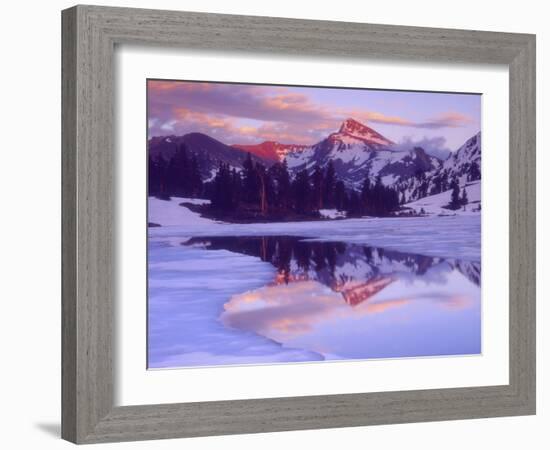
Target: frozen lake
(311, 291)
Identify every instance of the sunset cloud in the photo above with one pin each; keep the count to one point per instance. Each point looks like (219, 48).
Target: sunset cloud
(444, 120)
(236, 100)
(242, 113)
(376, 117)
(449, 119)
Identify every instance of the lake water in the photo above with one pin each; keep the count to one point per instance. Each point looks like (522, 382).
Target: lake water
(217, 300)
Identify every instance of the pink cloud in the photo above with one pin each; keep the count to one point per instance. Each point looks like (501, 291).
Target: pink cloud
(376, 117)
(226, 110)
(449, 119)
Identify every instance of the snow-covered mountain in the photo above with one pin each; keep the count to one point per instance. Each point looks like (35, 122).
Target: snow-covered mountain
(464, 165)
(357, 150)
(436, 204)
(271, 151)
(466, 161)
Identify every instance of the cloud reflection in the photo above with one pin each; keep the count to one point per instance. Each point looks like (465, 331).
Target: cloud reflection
(305, 313)
(355, 301)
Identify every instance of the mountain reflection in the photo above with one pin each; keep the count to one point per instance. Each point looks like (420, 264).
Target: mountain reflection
(351, 301)
(356, 271)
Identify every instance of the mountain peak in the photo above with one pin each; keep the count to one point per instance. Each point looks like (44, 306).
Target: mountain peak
(356, 129)
(352, 126)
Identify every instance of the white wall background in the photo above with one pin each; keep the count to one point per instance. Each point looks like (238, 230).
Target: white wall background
(30, 223)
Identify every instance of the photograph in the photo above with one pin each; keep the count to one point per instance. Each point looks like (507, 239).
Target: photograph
(301, 224)
(265, 225)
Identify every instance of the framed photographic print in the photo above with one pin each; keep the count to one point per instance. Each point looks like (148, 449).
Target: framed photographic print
(265, 230)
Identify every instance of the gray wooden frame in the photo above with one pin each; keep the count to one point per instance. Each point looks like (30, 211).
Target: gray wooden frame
(90, 34)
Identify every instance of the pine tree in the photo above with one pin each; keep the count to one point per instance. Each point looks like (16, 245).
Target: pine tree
(445, 180)
(436, 188)
(179, 171)
(354, 204)
(377, 197)
(162, 168)
(474, 173)
(270, 188)
(366, 193)
(340, 197)
(250, 181)
(153, 177)
(330, 186)
(455, 194)
(236, 187)
(261, 176)
(302, 192)
(195, 176)
(182, 175)
(318, 184)
(281, 185)
(223, 197)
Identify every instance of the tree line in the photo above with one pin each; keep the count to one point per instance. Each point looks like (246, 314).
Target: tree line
(180, 176)
(273, 190)
(267, 191)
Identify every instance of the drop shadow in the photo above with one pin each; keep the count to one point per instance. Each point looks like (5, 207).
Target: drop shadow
(52, 429)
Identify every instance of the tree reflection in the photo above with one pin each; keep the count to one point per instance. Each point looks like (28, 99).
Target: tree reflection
(357, 271)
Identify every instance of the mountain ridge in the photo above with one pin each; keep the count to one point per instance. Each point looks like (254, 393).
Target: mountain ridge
(355, 151)
(209, 151)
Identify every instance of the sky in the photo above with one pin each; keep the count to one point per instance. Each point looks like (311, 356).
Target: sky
(251, 113)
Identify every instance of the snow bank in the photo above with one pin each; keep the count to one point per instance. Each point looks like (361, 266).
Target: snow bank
(332, 214)
(169, 212)
(454, 236)
(187, 288)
